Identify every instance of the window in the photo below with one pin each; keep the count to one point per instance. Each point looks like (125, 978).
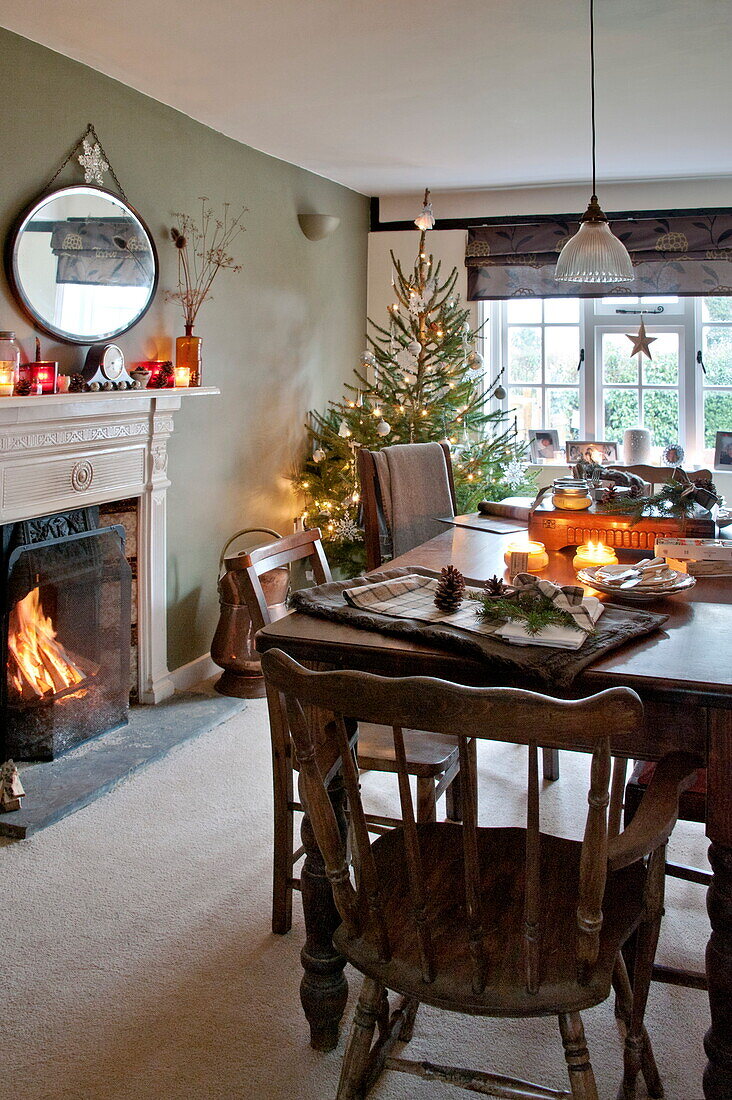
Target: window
(538, 343)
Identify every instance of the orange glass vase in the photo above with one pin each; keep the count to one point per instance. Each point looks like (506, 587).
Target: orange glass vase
(188, 354)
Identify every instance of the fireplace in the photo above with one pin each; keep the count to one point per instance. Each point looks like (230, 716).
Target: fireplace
(66, 605)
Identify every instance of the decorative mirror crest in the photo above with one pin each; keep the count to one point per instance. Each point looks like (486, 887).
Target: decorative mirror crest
(80, 259)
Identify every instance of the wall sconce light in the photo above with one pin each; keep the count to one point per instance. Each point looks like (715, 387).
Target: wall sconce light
(317, 226)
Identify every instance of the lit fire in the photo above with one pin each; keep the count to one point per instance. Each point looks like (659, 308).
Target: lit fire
(38, 663)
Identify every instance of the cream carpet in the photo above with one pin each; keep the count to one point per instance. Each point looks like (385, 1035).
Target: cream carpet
(138, 962)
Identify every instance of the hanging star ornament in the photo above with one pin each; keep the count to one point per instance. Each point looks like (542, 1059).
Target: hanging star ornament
(93, 163)
(641, 341)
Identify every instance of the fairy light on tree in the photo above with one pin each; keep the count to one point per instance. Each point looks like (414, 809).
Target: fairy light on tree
(420, 380)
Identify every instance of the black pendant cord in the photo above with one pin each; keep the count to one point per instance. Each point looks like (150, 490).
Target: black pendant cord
(592, 90)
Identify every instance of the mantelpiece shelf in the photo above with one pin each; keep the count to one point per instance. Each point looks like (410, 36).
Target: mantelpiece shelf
(103, 395)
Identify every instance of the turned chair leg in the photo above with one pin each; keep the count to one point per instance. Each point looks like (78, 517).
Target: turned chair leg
(581, 1077)
(283, 829)
(426, 802)
(356, 1059)
(638, 1054)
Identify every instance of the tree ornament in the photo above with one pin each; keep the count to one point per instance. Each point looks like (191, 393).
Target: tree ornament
(414, 346)
(382, 428)
(499, 393)
(515, 473)
(450, 590)
(406, 360)
(368, 359)
(318, 454)
(641, 342)
(344, 431)
(425, 220)
(476, 361)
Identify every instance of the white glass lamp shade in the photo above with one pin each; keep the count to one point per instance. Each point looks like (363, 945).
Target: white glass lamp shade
(594, 254)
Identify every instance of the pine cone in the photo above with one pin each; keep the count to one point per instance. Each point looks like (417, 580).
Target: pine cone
(496, 587)
(22, 388)
(610, 495)
(449, 594)
(77, 383)
(635, 492)
(161, 380)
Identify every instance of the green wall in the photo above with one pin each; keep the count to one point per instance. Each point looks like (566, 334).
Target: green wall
(278, 338)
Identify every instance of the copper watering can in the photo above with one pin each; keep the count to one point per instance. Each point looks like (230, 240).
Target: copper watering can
(233, 646)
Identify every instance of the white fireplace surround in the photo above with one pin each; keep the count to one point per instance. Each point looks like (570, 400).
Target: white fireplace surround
(66, 451)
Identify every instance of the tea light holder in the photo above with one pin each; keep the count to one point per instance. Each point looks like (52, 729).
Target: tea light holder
(182, 377)
(43, 373)
(7, 381)
(535, 552)
(594, 553)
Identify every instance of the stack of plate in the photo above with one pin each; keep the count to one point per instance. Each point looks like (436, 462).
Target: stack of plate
(650, 579)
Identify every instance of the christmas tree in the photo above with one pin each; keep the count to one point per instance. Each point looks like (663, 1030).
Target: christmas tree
(420, 380)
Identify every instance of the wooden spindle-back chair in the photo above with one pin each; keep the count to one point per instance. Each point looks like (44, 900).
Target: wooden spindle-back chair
(432, 758)
(489, 921)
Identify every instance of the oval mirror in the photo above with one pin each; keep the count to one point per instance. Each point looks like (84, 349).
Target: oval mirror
(82, 264)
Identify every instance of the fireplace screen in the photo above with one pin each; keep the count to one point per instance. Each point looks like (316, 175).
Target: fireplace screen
(68, 642)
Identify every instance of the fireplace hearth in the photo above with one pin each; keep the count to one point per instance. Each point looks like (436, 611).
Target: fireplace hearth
(66, 603)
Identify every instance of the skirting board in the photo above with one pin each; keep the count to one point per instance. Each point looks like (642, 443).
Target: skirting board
(187, 676)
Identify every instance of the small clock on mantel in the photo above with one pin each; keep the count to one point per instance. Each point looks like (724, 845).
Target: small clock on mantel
(105, 369)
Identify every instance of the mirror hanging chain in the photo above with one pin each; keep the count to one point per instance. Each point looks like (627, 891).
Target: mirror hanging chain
(94, 160)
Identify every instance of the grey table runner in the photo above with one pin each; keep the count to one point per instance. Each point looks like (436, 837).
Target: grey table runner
(547, 668)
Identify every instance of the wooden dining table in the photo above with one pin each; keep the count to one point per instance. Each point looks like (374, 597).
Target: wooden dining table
(683, 673)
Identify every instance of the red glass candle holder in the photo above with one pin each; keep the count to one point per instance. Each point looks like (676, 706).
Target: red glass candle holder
(41, 373)
(158, 378)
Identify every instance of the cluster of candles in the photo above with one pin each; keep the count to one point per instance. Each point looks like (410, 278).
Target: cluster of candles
(42, 375)
(589, 553)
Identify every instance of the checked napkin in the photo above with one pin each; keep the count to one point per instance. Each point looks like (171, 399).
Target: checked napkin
(567, 597)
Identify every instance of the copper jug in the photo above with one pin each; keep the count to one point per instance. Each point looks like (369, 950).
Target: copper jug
(233, 646)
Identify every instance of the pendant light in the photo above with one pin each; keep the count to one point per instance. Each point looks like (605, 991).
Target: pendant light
(594, 254)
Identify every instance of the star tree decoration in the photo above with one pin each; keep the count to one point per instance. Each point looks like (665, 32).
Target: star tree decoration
(641, 341)
(93, 163)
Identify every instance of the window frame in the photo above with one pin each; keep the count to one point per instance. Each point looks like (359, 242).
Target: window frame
(595, 317)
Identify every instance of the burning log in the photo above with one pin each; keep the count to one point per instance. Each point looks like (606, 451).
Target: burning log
(39, 664)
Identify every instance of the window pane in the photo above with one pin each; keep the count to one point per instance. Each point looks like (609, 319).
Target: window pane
(524, 354)
(563, 413)
(562, 354)
(661, 416)
(665, 300)
(561, 311)
(621, 412)
(717, 415)
(717, 352)
(525, 404)
(716, 309)
(612, 300)
(617, 365)
(523, 311)
(663, 368)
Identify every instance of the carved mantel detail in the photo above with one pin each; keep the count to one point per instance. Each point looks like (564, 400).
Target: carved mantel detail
(62, 452)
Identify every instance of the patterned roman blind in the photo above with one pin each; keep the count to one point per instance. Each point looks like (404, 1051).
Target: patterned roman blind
(684, 254)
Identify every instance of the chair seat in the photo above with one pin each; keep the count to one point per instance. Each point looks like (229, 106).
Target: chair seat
(428, 754)
(692, 803)
(502, 863)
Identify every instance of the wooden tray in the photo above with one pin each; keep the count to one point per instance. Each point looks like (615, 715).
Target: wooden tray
(557, 528)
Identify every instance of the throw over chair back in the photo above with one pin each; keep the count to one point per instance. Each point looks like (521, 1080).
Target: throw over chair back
(404, 489)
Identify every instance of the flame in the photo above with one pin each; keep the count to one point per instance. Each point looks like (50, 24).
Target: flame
(38, 663)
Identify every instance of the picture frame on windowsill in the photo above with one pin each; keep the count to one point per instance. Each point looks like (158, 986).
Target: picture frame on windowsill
(723, 451)
(599, 452)
(544, 445)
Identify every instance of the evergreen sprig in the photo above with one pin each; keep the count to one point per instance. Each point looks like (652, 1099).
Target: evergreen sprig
(529, 607)
(675, 499)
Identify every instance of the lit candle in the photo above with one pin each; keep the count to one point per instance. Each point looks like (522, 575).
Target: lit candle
(7, 381)
(182, 377)
(594, 553)
(41, 373)
(62, 383)
(537, 555)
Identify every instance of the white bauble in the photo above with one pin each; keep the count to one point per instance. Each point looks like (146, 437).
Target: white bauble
(414, 346)
(475, 361)
(368, 359)
(318, 455)
(382, 428)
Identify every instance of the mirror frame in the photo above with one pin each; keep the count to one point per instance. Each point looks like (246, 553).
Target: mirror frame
(11, 256)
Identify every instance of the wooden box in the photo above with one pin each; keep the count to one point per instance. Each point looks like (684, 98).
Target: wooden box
(557, 528)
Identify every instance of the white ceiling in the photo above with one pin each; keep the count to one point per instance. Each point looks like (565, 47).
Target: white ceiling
(385, 95)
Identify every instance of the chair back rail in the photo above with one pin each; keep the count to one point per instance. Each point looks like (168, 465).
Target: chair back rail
(435, 705)
(296, 547)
